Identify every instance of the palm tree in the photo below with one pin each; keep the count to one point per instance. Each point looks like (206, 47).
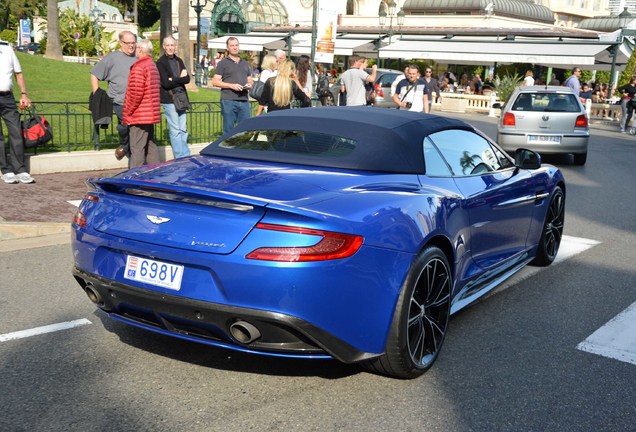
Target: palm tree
(53, 47)
(184, 33)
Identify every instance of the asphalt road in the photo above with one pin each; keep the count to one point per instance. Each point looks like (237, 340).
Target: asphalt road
(509, 362)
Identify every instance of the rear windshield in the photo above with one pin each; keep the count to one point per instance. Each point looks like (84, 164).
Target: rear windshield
(290, 141)
(550, 102)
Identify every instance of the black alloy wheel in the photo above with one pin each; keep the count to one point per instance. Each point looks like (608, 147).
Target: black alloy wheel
(552, 230)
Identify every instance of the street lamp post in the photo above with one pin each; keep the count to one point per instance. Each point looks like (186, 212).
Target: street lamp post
(97, 15)
(198, 8)
(382, 15)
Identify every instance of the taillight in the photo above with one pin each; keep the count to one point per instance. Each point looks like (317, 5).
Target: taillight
(378, 90)
(332, 246)
(581, 122)
(509, 119)
(79, 218)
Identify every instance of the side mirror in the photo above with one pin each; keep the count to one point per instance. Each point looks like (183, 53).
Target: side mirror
(497, 105)
(527, 159)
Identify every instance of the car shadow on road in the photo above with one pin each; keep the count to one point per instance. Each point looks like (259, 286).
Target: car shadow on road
(220, 358)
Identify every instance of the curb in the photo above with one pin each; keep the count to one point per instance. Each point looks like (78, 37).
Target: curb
(21, 230)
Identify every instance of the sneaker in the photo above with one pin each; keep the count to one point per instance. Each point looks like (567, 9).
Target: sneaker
(623, 131)
(120, 152)
(9, 178)
(25, 177)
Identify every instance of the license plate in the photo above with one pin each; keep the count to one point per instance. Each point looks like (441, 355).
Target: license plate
(152, 272)
(544, 139)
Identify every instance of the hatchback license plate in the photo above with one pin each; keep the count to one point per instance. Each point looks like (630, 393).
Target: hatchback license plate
(154, 272)
(544, 139)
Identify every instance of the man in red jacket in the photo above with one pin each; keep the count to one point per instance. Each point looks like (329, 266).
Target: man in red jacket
(142, 109)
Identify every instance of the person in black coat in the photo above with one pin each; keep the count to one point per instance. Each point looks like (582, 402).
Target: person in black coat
(174, 76)
(280, 90)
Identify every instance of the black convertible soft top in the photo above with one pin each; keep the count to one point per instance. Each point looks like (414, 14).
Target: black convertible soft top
(387, 140)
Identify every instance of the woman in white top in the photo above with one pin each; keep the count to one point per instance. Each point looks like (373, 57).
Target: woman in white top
(303, 69)
(528, 80)
(268, 67)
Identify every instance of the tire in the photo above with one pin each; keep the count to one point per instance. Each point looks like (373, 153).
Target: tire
(552, 230)
(580, 158)
(420, 320)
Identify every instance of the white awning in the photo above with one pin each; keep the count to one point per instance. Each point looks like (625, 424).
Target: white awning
(488, 50)
(345, 45)
(251, 41)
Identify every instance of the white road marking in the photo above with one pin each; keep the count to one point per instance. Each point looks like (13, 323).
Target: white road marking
(570, 246)
(76, 203)
(616, 339)
(44, 329)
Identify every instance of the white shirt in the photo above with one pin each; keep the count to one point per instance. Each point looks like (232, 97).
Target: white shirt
(266, 74)
(9, 65)
(528, 81)
(396, 81)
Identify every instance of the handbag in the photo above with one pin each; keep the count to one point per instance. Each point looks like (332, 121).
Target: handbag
(36, 129)
(180, 100)
(256, 91)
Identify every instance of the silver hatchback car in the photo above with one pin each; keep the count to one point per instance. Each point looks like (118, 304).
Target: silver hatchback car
(546, 119)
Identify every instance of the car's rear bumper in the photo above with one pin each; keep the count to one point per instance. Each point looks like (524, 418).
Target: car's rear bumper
(511, 141)
(209, 323)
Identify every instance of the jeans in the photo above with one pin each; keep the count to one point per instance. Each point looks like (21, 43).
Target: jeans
(233, 113)
(9, 112)
(630, 113)
(177, 129)
(122, 129)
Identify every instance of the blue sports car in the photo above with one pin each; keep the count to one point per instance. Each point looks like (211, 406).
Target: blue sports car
(335, 232)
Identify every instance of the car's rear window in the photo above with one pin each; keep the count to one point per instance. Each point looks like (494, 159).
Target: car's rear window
(290, 141)
(549, 102)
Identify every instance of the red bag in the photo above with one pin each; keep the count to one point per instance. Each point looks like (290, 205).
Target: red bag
(36, 130)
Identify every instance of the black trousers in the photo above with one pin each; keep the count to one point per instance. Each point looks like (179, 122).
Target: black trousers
(9, 112)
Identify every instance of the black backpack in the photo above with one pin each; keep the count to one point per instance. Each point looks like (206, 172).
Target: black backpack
(322, 86)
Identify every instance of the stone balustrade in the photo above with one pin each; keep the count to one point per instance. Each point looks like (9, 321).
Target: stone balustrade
(459, 102)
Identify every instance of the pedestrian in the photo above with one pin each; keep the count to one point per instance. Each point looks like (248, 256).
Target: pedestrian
(412, 92)
(354, 80)
(303, 71)
(174, 76)
(280, 55)
(13, 168)
(280, 90)
(432, 86)
(142, 109)
(233, 76)
(269, 66)
(114, 69)
(554, 81)
(205, 68)
(529, 78)
(573, 81)
(628, 92)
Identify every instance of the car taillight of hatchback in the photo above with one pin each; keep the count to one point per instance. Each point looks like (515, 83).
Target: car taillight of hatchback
(378, 90)
(509, 119)
(581, 122)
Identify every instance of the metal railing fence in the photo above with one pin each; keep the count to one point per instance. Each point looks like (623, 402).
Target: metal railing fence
(73, 127)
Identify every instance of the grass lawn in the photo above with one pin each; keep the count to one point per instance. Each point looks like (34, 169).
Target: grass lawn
(58, 81)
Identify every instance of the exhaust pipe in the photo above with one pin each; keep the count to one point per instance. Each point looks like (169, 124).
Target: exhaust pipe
(93, 295)
(244, 332)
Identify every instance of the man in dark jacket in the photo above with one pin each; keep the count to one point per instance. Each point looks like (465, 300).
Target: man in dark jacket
(629, 98)
(174, 76)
